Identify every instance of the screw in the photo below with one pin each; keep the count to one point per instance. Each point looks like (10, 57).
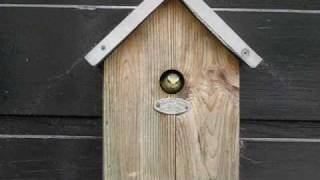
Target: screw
(245, 52)
(158, 105)
(103, 47)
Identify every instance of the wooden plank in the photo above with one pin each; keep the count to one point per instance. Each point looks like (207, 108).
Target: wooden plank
(265, 4)
(139, 142)
(262, 4)
(286, 87)
(280, 129)
(223, 32)
(31, 73)
(42, 70)
(121, 31)
(279, 150)
(36, 148)
(199, 8)
(37, 159)
(256, 167)
(78, 2)
(59, 159)
(206, 137)
(39, 125)
(279, 160)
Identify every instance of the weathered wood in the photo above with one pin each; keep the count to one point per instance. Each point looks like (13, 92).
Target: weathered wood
(286, 86)
(38, 159)
(119, 33)
(264, 4)
(207, 137)
(44, 125)
(78, 93)
(223, 32)
(50, 159)
(32, 71)
(42, 70)
(199, 8)
(280, 129)
(279, 160)
(139, 142)
(78, 2)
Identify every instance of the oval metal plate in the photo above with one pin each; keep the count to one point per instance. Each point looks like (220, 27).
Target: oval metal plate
(172, 106)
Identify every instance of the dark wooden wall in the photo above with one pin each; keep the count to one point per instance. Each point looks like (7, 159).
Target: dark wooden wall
(50, 98)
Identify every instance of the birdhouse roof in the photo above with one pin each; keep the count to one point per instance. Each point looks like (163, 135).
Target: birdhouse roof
(198, 7)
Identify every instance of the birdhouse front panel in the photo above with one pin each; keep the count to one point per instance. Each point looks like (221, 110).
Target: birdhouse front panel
(171, 102)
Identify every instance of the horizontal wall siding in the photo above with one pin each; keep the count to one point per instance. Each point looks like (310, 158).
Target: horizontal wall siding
(280, 150)
(286, 85)
(50, 98)
(37, 150)
(52, 159)
(37, 159)
(42, 70)
(280, 129)
(77, 2)
(264, 4)
(50, 76)
(52, 126)
(280, 160)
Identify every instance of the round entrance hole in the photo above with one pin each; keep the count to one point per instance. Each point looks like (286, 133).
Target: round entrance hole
(172, 81)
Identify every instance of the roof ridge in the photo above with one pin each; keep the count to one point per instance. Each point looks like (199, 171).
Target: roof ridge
(198, 7)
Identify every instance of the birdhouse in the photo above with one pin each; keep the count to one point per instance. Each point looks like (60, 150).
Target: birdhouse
(171, 93)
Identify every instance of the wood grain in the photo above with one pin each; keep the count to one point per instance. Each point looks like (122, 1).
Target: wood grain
(264, 4)
(42, 70)
(139, 142)
(286, 86)
(142, 144)
(26, 65)
(77, 2)
(280, 129)
(280, 160)
(80, 159)
(37, 79)
(207, 137)
(50, 159)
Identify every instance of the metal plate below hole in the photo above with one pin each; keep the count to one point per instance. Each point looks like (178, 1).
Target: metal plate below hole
(172, 106)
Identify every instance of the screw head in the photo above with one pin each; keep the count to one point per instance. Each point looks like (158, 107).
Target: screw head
(172, 81)
(245, 52)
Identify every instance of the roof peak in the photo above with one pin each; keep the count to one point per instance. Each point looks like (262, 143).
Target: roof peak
(198, 7)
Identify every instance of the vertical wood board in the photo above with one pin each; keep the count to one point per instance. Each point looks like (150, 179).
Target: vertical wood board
(140, 143)
(206, 137)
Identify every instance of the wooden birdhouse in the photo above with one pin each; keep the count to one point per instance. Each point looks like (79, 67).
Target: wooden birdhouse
(171, 93)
